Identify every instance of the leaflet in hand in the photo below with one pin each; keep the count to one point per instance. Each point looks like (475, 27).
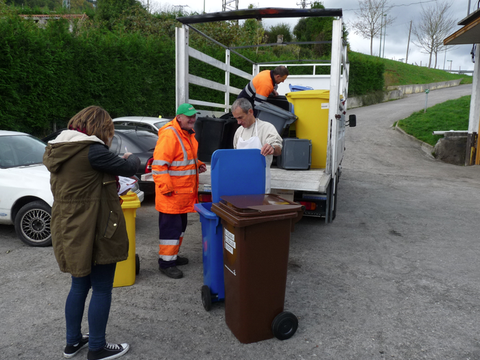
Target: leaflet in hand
(126, 184)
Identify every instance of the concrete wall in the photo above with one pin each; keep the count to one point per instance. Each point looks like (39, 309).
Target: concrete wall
(397, 92)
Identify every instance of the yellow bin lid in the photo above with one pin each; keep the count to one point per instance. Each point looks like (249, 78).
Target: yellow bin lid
(309, 94)
(130, 201)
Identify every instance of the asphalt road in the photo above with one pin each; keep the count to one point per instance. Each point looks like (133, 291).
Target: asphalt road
(395, 276)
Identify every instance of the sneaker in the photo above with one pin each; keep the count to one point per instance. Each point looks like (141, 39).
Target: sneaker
(172, 272)
(110, 351)
(181, 260)
(72, 350)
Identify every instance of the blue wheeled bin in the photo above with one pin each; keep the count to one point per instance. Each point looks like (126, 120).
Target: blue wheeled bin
(233, 172)
(212, 235)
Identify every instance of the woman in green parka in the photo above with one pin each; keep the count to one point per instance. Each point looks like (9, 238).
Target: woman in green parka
(89, 235)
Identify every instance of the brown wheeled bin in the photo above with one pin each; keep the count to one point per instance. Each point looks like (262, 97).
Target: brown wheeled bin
(256, 237)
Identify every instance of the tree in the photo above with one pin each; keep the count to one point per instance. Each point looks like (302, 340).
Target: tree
(435, 25)
(254, 30)
(111, 9)
(315, 29)
(370, 18)
(280, 29)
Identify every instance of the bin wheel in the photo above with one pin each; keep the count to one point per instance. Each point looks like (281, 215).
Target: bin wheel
(206, 298)
(284, 325)
(137, 264)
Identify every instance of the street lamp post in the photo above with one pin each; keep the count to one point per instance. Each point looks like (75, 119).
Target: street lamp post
(450, 61)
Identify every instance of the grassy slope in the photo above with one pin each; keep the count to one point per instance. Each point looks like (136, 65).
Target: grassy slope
(451, 115)
(398, 73)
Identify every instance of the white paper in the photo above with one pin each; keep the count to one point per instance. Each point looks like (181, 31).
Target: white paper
(126, 184)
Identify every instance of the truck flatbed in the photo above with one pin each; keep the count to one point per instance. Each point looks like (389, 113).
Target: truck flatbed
(313, 180)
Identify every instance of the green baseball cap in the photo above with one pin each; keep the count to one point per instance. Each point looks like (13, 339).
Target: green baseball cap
(186, 109)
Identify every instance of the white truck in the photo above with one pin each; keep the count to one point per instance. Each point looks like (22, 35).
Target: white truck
(314, 188)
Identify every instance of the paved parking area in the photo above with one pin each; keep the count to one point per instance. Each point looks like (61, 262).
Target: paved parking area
(395, 276)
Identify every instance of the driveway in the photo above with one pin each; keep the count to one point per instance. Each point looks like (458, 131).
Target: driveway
(395, 276)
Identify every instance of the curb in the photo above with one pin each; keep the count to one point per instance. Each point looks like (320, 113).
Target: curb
(426, 148)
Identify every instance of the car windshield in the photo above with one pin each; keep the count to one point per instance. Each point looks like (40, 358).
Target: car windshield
(20, 150)
(161, 123)
(133, 141)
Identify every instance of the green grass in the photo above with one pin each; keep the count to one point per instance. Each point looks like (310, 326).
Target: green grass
(450, 115)
(399, 73)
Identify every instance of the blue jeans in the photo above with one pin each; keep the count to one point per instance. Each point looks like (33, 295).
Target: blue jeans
(101, 282)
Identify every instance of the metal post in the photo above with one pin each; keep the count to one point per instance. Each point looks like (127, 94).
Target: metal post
(227, 80)
(181, 66)
(426, 100)
(408, 42)
(384, 33)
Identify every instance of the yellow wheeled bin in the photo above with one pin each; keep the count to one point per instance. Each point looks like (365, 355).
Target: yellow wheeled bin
(311, 109)
(127, 269)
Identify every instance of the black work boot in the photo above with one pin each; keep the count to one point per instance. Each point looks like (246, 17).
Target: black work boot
(181, 260)
(172, 272)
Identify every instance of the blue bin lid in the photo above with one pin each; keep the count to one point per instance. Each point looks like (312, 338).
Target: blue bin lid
(237, 172)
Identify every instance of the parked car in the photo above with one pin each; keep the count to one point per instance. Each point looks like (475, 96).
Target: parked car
(141, 143)
(138, 142)
(140, 123)
(25, 196)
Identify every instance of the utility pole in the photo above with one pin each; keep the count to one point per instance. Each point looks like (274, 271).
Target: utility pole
(303, 4)
(408, 42)
(381, 30)
(180, 6)
(229, 5)
(380, 47)
(384, 33)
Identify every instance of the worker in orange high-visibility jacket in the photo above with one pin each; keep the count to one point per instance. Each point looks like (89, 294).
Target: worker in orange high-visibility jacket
(262, 85)
(175, 170)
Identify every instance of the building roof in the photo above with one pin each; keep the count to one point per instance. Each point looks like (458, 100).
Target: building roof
(469, 33)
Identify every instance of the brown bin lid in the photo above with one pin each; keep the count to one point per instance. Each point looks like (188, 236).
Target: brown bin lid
(226, 214)
(257, 205)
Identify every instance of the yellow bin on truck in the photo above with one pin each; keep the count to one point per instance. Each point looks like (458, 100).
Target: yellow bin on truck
(127, 269)
(311, 108)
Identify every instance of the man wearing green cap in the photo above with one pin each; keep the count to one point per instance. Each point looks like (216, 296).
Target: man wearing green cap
(175, 170)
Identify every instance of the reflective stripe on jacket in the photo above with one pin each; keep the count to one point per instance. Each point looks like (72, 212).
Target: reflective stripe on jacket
(175, 169)
(259, 87)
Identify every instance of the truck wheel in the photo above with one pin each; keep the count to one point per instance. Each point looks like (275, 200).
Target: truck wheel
(284, 325)
(137, 264)
(206, 298)
(32, 224)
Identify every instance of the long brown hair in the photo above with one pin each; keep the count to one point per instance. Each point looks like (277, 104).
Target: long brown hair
(93, 120)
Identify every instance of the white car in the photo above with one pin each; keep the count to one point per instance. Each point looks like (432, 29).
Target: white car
(25, 196)
(152, 124)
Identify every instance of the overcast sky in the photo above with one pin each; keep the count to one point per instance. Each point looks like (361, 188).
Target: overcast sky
(456, 57)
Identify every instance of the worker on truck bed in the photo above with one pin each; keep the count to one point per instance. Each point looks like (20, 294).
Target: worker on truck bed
(256, 134)
(175, 171)
(262, 85)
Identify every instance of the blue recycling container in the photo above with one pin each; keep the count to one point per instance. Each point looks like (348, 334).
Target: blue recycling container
(213, 289)
(233, 172)
(299, 87)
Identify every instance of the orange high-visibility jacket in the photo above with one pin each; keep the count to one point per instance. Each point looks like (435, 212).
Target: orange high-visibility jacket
(259, 87)
(175, 169)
